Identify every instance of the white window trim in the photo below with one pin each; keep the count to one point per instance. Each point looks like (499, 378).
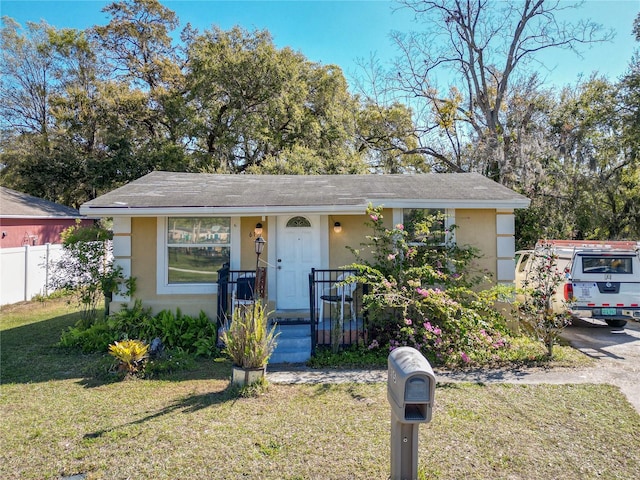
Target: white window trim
(163, 287)
(450, 219)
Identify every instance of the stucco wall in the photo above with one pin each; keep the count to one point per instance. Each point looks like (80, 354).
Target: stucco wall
(248, 239)
(352, 234)
(477, 228)
(143, 257)
(144, 269)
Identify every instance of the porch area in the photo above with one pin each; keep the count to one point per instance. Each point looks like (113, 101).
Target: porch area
(334, 316)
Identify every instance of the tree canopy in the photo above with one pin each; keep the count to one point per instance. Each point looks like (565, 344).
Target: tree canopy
(471, 75)
(87, 111)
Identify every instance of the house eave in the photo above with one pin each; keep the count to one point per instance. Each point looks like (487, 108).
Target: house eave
(356, 209)
(217, 211)
(439, 203)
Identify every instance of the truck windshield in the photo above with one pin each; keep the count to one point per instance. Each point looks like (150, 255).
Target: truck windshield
(607, 265)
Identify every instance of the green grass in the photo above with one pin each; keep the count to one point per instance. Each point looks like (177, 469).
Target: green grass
(57, 422)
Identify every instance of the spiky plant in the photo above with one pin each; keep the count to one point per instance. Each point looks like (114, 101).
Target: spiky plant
(248, 340)
(131, 354)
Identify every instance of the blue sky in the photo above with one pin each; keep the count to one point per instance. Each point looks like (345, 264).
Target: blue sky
(341, 32)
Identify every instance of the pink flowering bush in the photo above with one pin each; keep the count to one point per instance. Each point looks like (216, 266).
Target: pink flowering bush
(448, 330)
(420, 295)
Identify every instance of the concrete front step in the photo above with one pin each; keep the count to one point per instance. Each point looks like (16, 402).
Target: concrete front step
(294, 344)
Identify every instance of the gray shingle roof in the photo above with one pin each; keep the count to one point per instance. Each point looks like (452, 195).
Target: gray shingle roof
(22, 205)
(198, 192)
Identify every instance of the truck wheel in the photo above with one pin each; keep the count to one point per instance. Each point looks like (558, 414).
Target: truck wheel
(616, 323)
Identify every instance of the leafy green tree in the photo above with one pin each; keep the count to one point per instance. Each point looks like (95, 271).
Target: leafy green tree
(87, 269)
(139, 49)
(629, 95)
(257, 104)
(593, 145)
(28, 83)
(584, 183)
(300, 160)
(539, 312)
(97, 130)
(26, 78)
(387, 138)
(138, 43)
(91, 110)
(459, 72)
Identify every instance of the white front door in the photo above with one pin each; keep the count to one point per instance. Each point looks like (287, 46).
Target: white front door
(298, 251)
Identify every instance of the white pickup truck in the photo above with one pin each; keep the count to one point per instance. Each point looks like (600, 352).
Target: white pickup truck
(605, 284)
(603, 278)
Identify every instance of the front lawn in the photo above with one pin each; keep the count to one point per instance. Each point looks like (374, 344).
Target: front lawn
(57, 420)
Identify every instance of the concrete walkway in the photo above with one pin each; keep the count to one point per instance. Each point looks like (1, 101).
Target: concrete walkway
(616, 353)
(598, 374)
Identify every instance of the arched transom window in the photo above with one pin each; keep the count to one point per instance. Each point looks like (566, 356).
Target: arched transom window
(296, 222)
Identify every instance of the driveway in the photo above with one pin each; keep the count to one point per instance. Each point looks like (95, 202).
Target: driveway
(597, 340)
(616, 351)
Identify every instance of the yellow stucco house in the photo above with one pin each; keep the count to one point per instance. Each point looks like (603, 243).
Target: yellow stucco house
(174, 231)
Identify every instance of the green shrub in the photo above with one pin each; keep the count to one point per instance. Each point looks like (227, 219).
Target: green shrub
(356, 356)
(132, 322)
(192, 335)
(93, 339)
(195, 335)
(448, 330)
(170, 362)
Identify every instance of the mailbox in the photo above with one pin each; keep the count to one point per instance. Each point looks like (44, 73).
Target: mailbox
(411, 385)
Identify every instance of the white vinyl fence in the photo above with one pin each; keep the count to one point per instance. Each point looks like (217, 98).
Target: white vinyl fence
(26, 271)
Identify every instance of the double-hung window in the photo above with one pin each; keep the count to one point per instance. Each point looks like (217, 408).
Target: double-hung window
(192, 250)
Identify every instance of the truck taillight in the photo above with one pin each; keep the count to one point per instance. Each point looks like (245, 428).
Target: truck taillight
(568, 291)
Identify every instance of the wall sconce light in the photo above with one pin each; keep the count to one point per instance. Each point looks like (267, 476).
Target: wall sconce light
(258, 229)
(4, 234)
(337, 227)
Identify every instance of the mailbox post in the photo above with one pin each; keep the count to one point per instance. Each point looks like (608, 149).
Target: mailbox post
(411, 387)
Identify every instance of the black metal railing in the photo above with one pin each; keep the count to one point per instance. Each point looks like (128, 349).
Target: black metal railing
(335, 307)
(233, 284)
(335, 304)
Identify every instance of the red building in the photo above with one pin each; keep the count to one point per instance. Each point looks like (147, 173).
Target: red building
(28, 220)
